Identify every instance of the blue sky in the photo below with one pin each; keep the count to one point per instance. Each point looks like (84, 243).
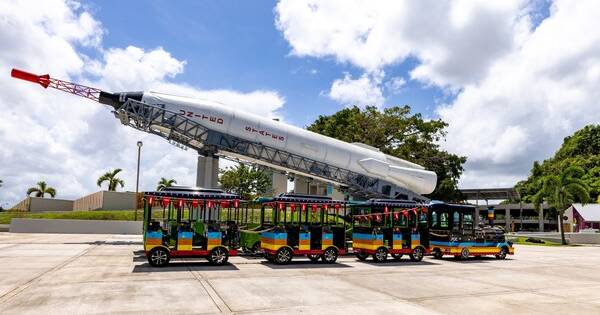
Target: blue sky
(511, 78)
(235, 45)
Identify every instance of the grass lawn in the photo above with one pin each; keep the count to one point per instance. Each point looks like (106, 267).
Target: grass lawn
(522, 240)
(115, 215)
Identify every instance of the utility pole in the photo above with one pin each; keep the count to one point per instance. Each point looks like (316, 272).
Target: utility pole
(137, 180)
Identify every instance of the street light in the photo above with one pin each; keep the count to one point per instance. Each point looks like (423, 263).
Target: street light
(137, 181)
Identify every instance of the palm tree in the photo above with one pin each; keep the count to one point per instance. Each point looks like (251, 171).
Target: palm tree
(112, 179)
(165, 183)
(562, 190)
(42, 189)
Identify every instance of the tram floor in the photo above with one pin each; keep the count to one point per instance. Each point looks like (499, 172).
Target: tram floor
(60, 273)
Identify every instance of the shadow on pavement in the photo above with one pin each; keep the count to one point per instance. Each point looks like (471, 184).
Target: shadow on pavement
(303, 264)
(107, 243)
(393, 263)
(470, 260)
(183, 266)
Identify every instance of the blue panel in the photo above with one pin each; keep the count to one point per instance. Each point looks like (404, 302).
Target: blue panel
(214, 235)
(361, 236)
(155, 234)
(304, 236)
(186, 235)
(327, 236)
(276, 236)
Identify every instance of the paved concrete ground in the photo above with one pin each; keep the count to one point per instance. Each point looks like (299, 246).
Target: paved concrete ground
(57, 273)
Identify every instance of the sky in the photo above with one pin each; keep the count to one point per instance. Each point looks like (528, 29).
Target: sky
(511, 78)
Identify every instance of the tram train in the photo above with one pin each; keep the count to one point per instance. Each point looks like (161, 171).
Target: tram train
(182, 222)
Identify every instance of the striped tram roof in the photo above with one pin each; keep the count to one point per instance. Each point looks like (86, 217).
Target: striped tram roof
(193, 195)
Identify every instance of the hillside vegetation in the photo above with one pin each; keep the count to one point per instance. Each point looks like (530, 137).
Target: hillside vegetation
(581, 149)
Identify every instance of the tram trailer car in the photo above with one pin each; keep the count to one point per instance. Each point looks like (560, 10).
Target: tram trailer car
(190, 226)
(389, 226)
(452, 232)
(304, 225)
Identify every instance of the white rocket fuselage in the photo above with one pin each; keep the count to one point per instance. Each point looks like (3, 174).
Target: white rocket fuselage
(358, 158)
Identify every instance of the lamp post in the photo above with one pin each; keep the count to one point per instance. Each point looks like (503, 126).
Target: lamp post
(137, 180)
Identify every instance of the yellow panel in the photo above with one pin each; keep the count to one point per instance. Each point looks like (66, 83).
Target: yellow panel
(184, 247)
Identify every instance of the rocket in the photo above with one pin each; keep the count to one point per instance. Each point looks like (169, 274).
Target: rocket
(356, 157)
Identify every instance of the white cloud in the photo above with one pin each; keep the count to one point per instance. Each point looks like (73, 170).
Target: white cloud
(519, 89)
(69, 141)
(364, 91)
(395, 84)
(533, 97)
(456, 41)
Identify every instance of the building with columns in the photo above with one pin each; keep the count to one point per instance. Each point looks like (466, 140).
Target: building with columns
(511, 214)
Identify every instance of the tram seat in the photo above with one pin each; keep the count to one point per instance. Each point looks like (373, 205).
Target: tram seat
(316, 237)
(388, 237)
(293, 234)
(199, 228)
(339, 236)
(184, 226)
(153, 226)
(199, 239)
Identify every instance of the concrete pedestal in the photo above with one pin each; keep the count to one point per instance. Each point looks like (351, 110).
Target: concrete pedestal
(278, 184)
(207, 175)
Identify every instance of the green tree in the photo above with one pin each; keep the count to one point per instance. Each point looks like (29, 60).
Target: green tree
(41, 190)
(562, 190)
(398, 132)
(112, 179)
(581, 149)
(248, 182)
(165, 183)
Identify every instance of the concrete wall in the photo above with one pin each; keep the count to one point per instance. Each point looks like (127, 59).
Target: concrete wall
(106, 200)
(89, 202)
(75, 226)
(23, 205)
(36, 204)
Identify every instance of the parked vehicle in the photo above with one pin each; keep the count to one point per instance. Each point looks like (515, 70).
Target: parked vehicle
(303, 225)
(388, 226)
(453, 232)
(190, 223)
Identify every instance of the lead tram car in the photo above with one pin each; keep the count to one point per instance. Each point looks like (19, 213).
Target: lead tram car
(452, 232)
(190, 223)
(303, 225)
(389, 226)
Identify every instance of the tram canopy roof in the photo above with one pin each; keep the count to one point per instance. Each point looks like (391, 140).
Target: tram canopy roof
(452, 207)
(397, 203)
(209, 195)
(297, 198)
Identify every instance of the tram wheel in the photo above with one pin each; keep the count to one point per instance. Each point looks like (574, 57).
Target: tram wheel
(464, 253)
(218, 256)
(417, 254)
(330, 255)
(380, 255)
(313, 257)
(502, 254)
(361, 256)
(283, 256)
(397, 256)
(437, 253)
(159, 257)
